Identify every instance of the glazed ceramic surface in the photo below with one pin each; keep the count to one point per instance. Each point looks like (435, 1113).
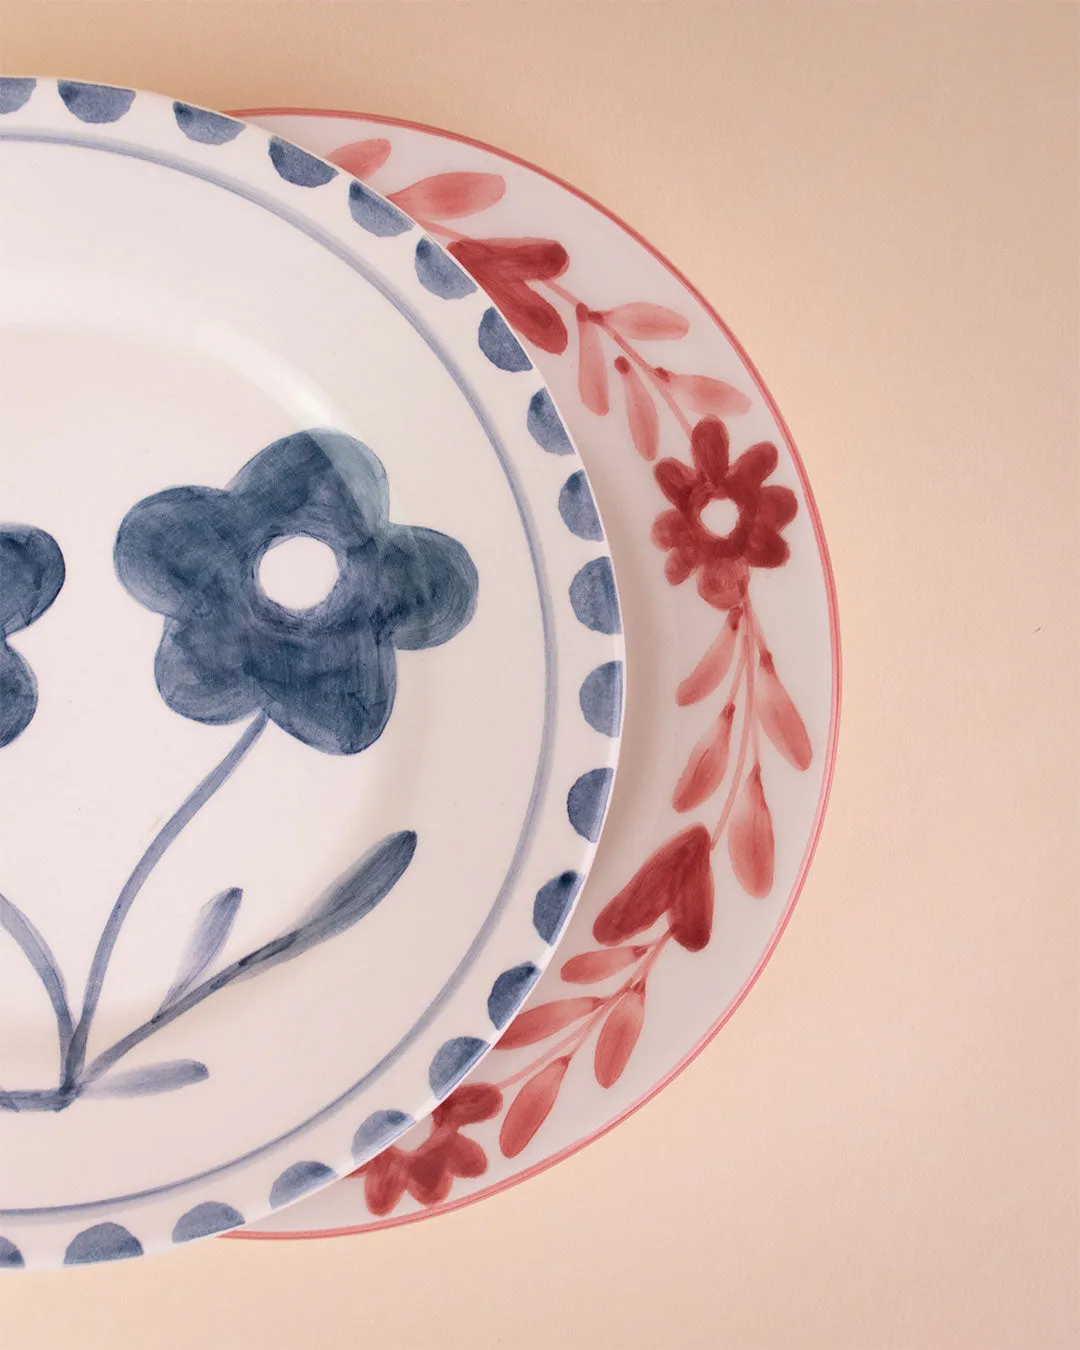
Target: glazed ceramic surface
(310, 673)
(733, 687)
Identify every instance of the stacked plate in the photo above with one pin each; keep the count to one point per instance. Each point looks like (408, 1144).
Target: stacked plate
(322, 443)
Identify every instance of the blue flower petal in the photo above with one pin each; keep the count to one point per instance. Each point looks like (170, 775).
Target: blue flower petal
(586, 802)
(499, 345)
(297, 1180)
(378, 1131)
(102, 1242)
(553, 903)
(546, 426)
(31, 575)
(208, 128)
(375, 214)
(440, 274)
(14, 92)
(601, 697)
(297, 166)
(594, 598)
(509, 991)
(578, 509)
(95, 103)
(206, 1219)
(452, 1062)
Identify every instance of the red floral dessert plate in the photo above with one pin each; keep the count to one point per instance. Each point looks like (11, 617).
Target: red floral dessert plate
(733, 669)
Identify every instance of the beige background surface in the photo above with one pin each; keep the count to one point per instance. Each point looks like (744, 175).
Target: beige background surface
(881, 1150)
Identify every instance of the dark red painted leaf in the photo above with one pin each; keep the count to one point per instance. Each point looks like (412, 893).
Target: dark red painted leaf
(468, 1104)
(644, 320)
(536, 1024)
(703, 394)
(713, 666)
(750, 837)
(385, 1179)
(691, 915)
(641, 415)
(618, 1036)
(590, 967)
(707, 765)
(531, 1107)
(465, 1157)
(511, 259)
(592, 368)
(447, 196)
(683, 861)
(361, 158)
(780, 718)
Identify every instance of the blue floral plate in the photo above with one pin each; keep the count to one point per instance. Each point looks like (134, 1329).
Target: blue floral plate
(310, 673)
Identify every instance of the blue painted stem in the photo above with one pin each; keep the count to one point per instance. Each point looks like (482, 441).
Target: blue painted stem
(173, 827)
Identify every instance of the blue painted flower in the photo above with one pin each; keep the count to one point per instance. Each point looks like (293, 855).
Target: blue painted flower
(31, 574)
(326, 673)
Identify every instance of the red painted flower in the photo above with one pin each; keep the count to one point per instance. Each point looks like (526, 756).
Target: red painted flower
(754, 539)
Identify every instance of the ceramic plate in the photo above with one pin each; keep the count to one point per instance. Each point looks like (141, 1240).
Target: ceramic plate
(310, 673)
(733, 670)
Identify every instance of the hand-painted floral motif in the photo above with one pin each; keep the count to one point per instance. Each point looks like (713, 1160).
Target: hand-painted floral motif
(31, 575)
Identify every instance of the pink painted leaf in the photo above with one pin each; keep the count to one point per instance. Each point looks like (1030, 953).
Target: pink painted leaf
(618, 1036)
(682, 862)
(750, 837)
(780, 718)
(592, 371)
(641, 415)
(361, 158)
(537, 1024)
(713, 666)
(590, 967)
(531, 1107)
(446, 196)
(707, 765)
(706, 395)
(644, 320)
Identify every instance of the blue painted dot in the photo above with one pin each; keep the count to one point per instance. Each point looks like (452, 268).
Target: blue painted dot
(553, 903)
(546, 426)
(594, 598)
(508, 992)
(601, 697)
(586, 801)
(10, 1256)
(208, 128)
(452, 1061)
(577, 508)
(499, 345)
(14, 92)
(297, 166)
(95, 102)
(379, 1130)
(206, 1219)
(103, 1242)
(375, 214)
(440, 274)
(297, 1180)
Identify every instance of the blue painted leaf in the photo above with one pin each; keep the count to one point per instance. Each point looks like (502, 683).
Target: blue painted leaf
(508, 992)
(379, 1130)
(440, 274)
(577, 508)
(297, 166)
(102, 1242)
(601, 698)
(374, 214)
(452, 1061)
(208, 128)
(206, 1219)
(553, 903)
(14, 92)
(586, 801)
(499, 345)
(297, 1180)
(594, 598)
(95, 102)
(10, 1256)
(167, 1076)
(212, 928)
(546, 426)
(37, 952)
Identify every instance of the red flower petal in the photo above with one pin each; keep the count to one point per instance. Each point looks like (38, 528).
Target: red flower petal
(707, 765)
(709, 445)
(536, 1024)
(446, 196)
(713, 666)
(777, 506)
(641, 415)
(592, 369)
(468, 1104)
(765, 548)
(433, 1194)
(385, 1178)
(618, 1036)
(750, 837)
(703, 394)
(670, 529)
(644, 320)
(592, 966)
(683, 861)
(752, 468)
(361, 158)
(676, 481)
(465, 1157)
(531, 1107)
(679, 566)
(780, 718)
(723, 582)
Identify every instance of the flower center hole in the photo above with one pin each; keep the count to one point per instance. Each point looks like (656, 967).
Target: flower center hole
(720, 516)
(298, 572)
